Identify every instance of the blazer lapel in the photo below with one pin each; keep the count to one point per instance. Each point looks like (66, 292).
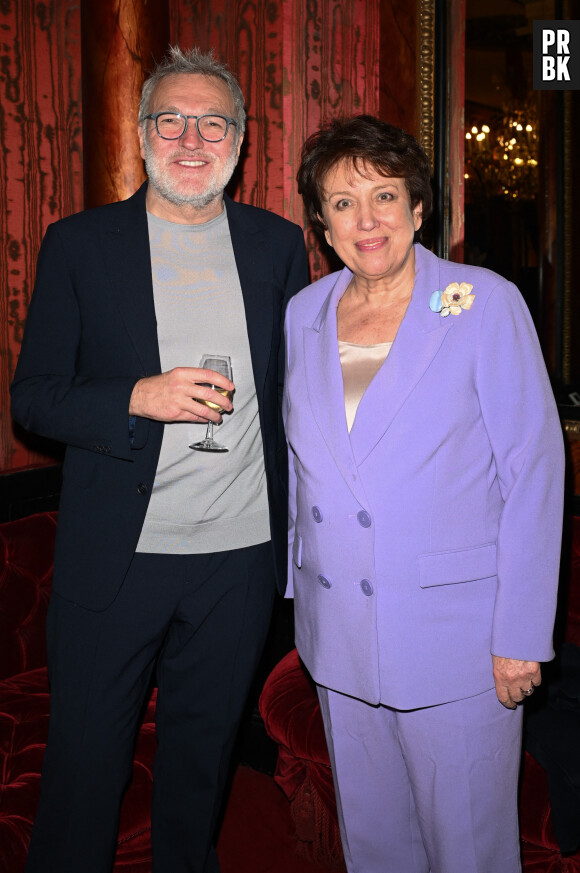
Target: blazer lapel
(127, 260)
(418, 339)
(324, 383)
(253, 254)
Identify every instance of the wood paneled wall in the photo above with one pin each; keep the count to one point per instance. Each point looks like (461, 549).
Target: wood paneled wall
(298, 62)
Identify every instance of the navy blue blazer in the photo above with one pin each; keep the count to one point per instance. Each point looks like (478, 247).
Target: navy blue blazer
(91, 334)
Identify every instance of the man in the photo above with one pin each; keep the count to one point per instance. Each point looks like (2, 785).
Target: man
(166, 557)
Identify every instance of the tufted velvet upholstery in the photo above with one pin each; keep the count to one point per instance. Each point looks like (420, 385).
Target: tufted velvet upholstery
(291, 714)
(289, 707)
(539, 847)
(26, 550)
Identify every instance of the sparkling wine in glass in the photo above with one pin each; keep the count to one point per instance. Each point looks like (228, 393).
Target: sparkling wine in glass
(220, 364)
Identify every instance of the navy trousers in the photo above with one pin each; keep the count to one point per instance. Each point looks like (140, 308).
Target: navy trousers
(194, 623)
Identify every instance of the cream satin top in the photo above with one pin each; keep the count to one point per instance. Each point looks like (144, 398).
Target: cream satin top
(359, 366)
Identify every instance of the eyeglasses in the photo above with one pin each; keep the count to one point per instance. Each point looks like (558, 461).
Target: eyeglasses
(172, 125)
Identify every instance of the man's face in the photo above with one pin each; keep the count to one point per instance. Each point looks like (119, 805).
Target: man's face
(189, 173)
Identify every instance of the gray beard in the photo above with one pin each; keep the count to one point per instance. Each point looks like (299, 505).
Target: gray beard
(164, 187)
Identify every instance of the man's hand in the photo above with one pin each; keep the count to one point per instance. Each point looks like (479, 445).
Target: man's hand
(178, 395)
(515, 680)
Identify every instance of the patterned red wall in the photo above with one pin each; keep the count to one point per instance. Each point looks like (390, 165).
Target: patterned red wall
(298, 63)
(41, 165)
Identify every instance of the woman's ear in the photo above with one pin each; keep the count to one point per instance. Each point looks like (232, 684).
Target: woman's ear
(325, 228)
(418, 216)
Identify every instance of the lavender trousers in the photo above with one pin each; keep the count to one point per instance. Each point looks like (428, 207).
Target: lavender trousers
(430, 790)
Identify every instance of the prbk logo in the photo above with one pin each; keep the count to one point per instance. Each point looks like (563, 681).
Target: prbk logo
(556, 55)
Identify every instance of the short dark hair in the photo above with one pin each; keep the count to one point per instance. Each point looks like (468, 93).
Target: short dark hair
(362, 140)
(200, 63)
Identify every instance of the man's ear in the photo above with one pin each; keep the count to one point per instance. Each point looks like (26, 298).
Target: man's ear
(239, 147)
(141, 135)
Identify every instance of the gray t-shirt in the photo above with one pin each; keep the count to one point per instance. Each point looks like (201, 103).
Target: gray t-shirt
(202, 501)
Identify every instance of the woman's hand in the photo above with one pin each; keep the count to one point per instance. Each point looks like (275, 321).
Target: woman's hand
(515, 680)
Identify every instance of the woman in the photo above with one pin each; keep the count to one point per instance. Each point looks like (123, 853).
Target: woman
(426, 506)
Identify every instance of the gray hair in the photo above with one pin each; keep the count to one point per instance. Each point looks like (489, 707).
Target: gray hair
(193, 61)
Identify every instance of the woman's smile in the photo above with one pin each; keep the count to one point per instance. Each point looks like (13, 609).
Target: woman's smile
(366, 245)
(370, 223)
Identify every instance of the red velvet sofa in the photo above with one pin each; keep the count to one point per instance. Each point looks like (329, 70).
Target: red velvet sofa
(289, 708)
(26, 554)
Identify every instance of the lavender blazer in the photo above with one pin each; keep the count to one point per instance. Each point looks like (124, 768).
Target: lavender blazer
(428, 538)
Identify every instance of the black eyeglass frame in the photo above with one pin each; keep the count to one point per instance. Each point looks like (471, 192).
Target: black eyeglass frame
(155, 115)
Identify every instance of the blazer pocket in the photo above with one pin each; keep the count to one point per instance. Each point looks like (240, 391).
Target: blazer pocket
(297, 551)
(464, 565)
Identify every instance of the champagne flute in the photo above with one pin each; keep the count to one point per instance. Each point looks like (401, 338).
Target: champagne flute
(221, 364)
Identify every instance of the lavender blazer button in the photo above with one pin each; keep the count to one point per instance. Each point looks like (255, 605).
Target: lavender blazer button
(326, 583)
(366, 587)
(316, 514)
(364, 518)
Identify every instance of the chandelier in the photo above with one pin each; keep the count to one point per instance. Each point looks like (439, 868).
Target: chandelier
(501, 158)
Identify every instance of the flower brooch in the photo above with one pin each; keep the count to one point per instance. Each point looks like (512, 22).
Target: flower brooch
(457, 296)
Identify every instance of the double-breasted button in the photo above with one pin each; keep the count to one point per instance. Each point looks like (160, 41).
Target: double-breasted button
(142, 488)
(326, 583)
(366, 587)
(316, 514)
(363, 518)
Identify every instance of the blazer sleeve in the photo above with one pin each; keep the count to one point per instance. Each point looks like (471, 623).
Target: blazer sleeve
(292, 479)
(297, 278)
(56, 393)
(521, 419)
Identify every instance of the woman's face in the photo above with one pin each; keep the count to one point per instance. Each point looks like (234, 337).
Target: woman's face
(369, 221)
